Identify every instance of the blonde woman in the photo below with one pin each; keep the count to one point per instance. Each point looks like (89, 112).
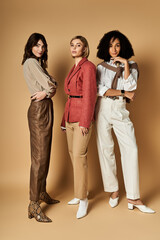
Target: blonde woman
(80, 86)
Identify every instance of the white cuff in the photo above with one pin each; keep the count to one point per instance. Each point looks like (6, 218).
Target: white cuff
(102, 91)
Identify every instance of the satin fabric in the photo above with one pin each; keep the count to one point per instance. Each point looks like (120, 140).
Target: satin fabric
(40, 120)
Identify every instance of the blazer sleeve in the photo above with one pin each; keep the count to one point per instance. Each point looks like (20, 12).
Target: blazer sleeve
(89, 95)
(41, 77)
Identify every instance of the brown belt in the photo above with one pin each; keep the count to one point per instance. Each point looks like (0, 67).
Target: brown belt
(115, 97)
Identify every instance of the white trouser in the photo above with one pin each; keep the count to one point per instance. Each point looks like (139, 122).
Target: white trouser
(113, 114)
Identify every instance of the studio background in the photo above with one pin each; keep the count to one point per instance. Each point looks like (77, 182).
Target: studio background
(59, 21)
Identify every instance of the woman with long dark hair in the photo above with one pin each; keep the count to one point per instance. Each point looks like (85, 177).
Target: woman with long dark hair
(117, 81)
(42, 88)
(80, 86)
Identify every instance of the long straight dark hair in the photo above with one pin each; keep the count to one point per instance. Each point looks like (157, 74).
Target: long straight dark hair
(32, 41)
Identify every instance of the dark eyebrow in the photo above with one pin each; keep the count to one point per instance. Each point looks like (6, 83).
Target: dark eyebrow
(76, 43)
(40, 44)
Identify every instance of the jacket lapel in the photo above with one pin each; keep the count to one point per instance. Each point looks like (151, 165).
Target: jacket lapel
(70, 73)
(74, 70)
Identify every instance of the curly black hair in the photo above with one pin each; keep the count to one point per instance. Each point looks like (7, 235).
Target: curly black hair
(103, 47)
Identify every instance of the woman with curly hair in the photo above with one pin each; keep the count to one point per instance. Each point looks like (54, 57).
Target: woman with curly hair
(42, 88)
(117, 82)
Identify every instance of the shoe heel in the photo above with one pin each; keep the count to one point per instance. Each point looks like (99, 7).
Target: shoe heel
(130, 206)
(30, 215)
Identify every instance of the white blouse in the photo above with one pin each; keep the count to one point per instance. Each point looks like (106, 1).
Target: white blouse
(106, 76)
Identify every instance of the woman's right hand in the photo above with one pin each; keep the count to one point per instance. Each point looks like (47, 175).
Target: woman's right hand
(38, 96)
(130, 95)
(84, 131)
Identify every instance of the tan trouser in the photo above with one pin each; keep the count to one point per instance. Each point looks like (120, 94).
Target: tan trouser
(77, 146)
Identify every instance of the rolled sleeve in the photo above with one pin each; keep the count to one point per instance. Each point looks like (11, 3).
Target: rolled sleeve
(102, 86)
(101, 90)
(130, 83)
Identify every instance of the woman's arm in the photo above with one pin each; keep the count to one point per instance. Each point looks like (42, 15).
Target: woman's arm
(89, 95)
(42, 78)
(130, 75)
(102, 84)
(114, 92)
(38, 96)
(126, 66)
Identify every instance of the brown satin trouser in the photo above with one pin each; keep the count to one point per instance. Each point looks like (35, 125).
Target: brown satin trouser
(78, 147)
(40, 120)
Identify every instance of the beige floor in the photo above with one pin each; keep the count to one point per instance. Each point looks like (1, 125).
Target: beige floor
(101, 223)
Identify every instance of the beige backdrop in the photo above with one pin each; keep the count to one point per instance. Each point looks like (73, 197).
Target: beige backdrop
(59, 21)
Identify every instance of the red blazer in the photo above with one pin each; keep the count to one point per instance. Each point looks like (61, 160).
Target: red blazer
(81, 81)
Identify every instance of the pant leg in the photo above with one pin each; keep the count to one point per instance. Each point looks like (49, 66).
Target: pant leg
(69, 135)
(105, 145)
(48, 142)
(40, 119)
(79, 160)
(124, 131)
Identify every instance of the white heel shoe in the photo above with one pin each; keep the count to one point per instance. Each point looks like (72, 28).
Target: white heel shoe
(74, 201)
(113, 202)
(82, 210)
(142, 208)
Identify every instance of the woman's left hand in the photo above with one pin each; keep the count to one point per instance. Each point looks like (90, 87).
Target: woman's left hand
(130, 95)
(38, 96)
(84, 131)
(120, 59)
